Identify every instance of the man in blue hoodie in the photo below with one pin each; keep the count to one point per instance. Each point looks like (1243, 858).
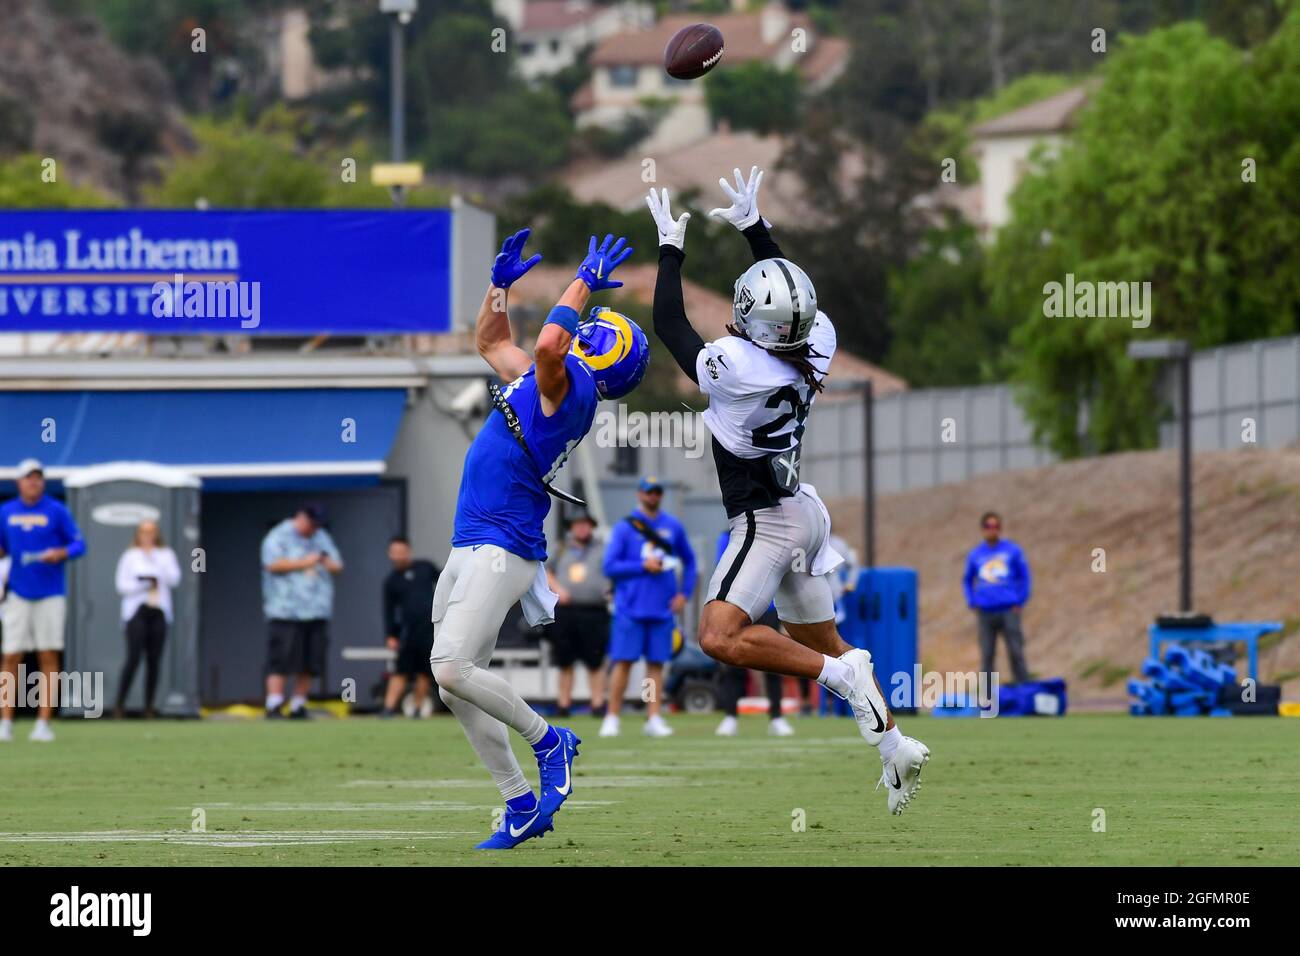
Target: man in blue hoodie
(644, 554)
(997, 585)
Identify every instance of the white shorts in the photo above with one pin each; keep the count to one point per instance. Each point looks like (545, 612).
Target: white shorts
(34, 625)
(475, 591)
(770, 555)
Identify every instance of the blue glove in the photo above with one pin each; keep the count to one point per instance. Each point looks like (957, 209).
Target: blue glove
(600, 262)
(508, 265)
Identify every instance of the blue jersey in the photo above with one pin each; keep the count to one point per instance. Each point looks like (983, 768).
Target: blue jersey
(501, 498)
(28, 530)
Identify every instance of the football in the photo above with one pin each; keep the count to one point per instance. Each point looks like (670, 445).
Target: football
(693, 51)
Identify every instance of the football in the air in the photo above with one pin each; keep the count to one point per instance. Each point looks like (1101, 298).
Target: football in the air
(693, 51)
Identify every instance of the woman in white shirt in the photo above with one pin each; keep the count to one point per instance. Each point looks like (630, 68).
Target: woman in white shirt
(146, 574)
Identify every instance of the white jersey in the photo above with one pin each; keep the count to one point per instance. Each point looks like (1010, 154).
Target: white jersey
(758, 405)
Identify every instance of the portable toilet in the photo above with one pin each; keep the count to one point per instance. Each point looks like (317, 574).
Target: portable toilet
(108, 501)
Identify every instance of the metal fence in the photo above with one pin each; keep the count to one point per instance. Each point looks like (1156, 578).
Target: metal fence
(933, 436)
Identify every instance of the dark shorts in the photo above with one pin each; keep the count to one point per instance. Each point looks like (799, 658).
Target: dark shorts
(415, 644)
(297, 647)
(579, 634)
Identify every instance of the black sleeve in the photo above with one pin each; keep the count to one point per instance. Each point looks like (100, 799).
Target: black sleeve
(390, 608)
(671, 324)
(761, 243)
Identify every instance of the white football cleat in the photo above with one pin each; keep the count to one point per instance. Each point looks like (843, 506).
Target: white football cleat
(902, 773)
(609, 726)
(728, 727)
(780, 727)
(41, 733)
(656, 726)
(865, 698)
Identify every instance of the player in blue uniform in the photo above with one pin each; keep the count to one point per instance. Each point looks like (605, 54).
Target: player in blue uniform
(498, 544)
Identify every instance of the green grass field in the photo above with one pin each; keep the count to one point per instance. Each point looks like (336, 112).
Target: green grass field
(362, 791)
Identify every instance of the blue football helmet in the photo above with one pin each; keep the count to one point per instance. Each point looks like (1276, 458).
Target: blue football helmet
(614, 348)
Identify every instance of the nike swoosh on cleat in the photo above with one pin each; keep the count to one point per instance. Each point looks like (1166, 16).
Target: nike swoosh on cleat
(898, 784)
(515, 833)
(880, 723)
(564, 790)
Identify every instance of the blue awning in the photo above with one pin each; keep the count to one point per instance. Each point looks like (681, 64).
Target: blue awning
(228, 437)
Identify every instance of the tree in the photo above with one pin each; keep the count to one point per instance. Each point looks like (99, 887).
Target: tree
(944, 332)
(755, 96)
(1156, 187)
(23, 186)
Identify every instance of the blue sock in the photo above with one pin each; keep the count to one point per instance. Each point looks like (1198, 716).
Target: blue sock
(526, 803)
(548, 741)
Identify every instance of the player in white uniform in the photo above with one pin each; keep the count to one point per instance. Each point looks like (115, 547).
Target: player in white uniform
(761, 380)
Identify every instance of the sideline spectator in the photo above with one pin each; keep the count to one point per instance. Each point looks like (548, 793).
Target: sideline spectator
(997, 585)
(408, 626)
(299, 560)
(644, 554)
(581, 628)
(38, 533)
(146, 574)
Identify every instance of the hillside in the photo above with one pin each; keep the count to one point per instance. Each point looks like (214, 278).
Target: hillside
(1246, 565)
(67, 92)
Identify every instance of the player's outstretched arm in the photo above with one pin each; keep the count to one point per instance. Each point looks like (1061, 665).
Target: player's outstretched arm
(744, 215)
(557, 333)
(496, 342)
(671, 324)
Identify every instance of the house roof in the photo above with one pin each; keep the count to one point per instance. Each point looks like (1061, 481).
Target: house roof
(546, 15)
(696, 166)
(1052, 115)
(709, 313)
(742, 33)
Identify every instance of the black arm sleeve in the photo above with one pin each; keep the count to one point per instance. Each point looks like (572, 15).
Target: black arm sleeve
(390, 609)
(671, 324)
(761, 243)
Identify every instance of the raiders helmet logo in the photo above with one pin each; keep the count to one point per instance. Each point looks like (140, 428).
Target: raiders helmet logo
(745, 299)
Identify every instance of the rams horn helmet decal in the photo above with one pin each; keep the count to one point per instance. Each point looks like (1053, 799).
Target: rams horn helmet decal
(615, 349)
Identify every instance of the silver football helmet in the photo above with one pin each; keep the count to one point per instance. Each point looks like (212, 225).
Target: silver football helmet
(774, 304)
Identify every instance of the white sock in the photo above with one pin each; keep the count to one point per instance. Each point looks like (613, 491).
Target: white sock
(836, 676)
(274, 701)
(297, 702)
(41, 722)
(889, 742)
(6, 721)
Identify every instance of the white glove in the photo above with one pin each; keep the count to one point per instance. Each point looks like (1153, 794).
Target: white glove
(743, 211)
(672, 232)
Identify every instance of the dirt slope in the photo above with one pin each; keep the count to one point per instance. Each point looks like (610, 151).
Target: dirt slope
(1091, 627)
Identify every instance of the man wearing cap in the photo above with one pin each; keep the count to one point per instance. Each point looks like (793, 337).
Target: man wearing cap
(39, 535)
(299, 560)
(645, 552)
(581, 628)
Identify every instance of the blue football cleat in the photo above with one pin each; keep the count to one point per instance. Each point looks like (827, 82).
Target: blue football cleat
(517, 827)
(555, 767)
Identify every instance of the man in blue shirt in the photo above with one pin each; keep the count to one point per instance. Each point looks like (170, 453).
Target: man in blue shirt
(39, 535)
(643, 557)
(997, 585)
(498, 542)
(299, 561)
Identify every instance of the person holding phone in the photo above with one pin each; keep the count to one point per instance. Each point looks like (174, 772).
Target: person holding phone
(146, 574)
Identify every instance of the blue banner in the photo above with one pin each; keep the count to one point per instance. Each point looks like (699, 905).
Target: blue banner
(255, 272)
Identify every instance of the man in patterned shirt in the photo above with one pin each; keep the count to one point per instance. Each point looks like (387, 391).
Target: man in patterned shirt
(299, 560)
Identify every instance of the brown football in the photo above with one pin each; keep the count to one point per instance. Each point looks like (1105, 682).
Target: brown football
(693, 51)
